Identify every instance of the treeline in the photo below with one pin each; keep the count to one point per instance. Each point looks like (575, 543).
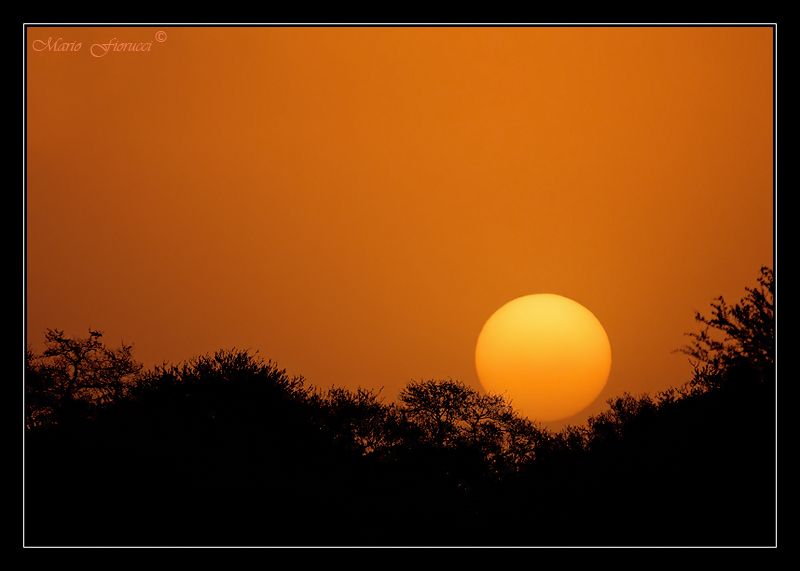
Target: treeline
(229, 449)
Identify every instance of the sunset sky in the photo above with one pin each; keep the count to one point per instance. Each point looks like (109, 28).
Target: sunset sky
(355, 203)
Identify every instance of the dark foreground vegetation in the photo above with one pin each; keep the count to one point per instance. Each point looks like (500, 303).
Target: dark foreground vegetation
(229, 450)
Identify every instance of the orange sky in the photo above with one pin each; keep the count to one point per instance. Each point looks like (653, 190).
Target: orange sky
(355, 203)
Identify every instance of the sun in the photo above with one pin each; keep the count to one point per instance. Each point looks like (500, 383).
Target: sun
(547, 353)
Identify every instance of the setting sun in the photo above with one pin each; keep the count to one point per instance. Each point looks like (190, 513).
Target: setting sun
(548, 354)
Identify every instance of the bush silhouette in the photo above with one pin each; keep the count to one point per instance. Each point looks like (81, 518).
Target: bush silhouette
(228, 449)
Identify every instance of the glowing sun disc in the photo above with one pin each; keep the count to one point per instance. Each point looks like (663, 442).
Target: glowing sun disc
(545, 352)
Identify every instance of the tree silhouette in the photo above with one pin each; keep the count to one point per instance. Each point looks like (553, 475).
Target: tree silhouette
(451, 414)
(74, 370)
(360, 418)
(736, 335)
(439, 408)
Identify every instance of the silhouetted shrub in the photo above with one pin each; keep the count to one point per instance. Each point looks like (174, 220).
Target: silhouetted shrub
(229, 449)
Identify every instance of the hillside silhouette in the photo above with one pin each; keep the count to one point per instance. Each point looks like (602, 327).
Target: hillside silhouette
(227, 449)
